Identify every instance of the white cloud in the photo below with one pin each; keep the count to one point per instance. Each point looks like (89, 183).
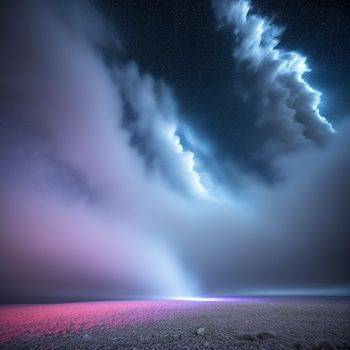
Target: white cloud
(278, 100)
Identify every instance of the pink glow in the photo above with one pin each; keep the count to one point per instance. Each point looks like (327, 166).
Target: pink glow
(37, 320)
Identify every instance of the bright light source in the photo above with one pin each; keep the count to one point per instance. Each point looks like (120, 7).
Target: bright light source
(197, 299)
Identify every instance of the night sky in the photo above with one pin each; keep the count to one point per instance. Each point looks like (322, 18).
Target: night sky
(185, 47)
(173, 148)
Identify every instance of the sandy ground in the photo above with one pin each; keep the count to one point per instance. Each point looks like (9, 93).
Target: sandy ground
(273, 323)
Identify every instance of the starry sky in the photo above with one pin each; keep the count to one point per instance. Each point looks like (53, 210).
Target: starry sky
(173, 148)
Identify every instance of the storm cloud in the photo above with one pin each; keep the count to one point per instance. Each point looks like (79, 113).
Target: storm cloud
(106, 191)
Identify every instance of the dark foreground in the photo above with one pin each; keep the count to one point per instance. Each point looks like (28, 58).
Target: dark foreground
(269, 323)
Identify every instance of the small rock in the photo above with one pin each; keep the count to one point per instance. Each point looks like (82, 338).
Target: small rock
(206, 344)
(86, 336)
(247, 336)
(142, 338)
(200, 331)
(176, 337)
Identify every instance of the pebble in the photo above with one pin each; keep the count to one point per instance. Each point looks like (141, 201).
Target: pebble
(86, 336)
(200, 331)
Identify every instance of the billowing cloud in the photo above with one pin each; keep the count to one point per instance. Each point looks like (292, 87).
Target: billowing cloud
(276, 99)
(150, 114)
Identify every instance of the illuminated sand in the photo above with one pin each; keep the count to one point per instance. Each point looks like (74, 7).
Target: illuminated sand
(274, 323)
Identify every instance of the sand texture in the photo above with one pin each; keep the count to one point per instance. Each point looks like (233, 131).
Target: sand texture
(242, 323)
